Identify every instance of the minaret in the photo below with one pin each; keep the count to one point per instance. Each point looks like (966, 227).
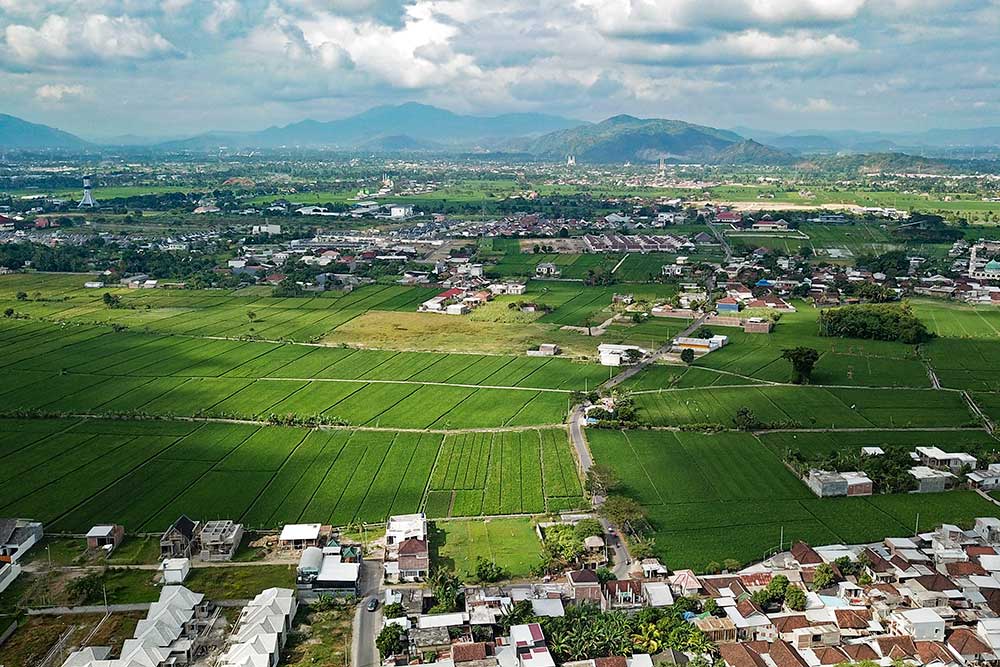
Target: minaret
(88, 198)
(570, 160)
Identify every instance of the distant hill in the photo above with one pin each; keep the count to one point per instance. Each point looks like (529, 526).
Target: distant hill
(896, 162)
(630, 139)
(399, 143)
(420, 122)
(809, 143)
(751, 152)
(16, 133)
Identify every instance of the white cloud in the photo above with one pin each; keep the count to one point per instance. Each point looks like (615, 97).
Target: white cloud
(92, 38)
(811, 105)
(652, 17)
(57, 92)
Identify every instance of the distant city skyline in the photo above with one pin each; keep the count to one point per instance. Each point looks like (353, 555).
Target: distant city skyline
(172, 68)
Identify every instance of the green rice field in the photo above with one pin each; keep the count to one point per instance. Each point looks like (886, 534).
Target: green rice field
(713, 497)
(72, 474)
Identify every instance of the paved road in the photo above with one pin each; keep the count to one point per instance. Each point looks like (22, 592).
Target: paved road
(367, 624)
(41, 565)
(621, 555)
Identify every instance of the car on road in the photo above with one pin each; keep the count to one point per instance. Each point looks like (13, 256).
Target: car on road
(373, 604)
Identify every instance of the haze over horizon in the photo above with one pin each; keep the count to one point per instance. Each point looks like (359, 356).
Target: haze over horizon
(181, 67)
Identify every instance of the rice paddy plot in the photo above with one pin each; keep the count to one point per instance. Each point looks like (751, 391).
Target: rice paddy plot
(503, 473)
(729, 496)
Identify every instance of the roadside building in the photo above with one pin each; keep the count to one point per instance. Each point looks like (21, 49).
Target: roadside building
(414, 559)
(619, 355)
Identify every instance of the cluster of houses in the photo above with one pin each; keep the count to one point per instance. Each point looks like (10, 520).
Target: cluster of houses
(640, 243)
(326, 565)
(174, 633)
(739, 296)
(451, 636)
(739, 221)
(261, 630)
(931, 599)
(474, 293)
(934, 470)
(536, 225)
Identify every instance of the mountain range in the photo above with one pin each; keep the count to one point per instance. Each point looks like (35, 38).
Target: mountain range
(419, 128)
(424, 126)
(17, 134)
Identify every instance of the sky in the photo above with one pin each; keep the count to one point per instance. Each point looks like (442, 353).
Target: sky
(171, 68)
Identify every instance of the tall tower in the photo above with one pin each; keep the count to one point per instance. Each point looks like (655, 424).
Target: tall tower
(88, 198)
(663, 167)
(570, 160)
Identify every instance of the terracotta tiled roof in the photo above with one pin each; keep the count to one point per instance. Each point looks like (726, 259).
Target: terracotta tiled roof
(790, 623)
(741, 655)
(936, 582)
(783, 655)
(582, 577)
(831, 656)
(897, 647)
(934, 652)
(979, 550)
(859, 652)
(613, 661)
(853, 619)
(412, 547)
(468, 652)
(964, 569)
(966, 642)
(805, 554)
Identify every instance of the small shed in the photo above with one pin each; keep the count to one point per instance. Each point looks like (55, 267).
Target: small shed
(106, 536)
(175, 570)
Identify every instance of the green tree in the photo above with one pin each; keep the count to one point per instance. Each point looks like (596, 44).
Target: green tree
(746, 420)
(802, 359)
(88, 588)
(602, 480)
(519, 613)
(687, 355)
(604, 575)
(22, 296)
(394, 610)
(585, 528)
(391, 641)
(111, 300)
(487, 571)
(823, 577)
(251, 315)
(624, 512)
(795, 598)
(447, 589)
